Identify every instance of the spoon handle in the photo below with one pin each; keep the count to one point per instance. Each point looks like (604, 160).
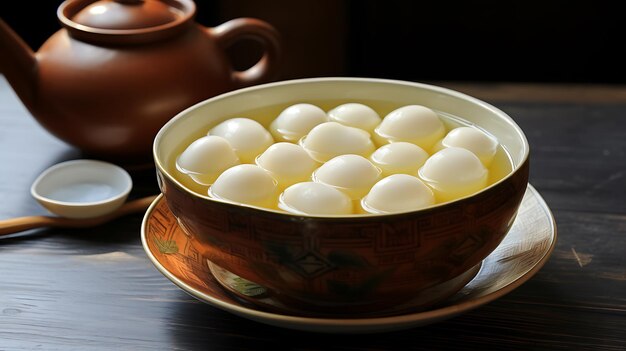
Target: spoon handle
(19, 224)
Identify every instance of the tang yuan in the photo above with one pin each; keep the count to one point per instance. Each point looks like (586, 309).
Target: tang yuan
(246, 184)
(247, 137)
(453, 173)
(289, 163)
(206, 158)
(355, 115)
(352, 174)
(474, 140)
(414, 124)
(315, 199)
(398, 193)
(400, 157)
(296, 121)
(331, 139)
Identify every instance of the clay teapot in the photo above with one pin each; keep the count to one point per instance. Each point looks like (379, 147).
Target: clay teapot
(118, 70)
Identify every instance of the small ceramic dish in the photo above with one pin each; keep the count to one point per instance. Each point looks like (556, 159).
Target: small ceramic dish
(82, 188)
(524, 250)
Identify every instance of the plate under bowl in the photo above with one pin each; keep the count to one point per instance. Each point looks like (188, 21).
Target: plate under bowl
(521, 254)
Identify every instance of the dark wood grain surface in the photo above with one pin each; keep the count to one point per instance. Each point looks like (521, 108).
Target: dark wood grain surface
(96, 290)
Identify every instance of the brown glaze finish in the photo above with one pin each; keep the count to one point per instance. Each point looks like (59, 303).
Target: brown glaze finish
(349, 264)
(108, 91)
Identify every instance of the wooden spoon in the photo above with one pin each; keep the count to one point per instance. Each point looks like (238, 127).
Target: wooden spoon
(19, 224)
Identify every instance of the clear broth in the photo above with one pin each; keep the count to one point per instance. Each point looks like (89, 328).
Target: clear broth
(501, 166)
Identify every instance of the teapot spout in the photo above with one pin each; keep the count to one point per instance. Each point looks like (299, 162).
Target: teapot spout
(18, 64)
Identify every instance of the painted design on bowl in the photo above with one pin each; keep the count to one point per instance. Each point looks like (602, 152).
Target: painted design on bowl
(349, 264)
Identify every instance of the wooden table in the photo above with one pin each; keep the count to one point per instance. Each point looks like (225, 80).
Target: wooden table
(96, 289)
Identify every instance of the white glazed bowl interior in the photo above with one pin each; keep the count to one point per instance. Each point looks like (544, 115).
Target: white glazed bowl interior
(82, 188)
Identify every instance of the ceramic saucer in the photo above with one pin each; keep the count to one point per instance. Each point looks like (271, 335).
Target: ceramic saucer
(262, 298)
(521, 254)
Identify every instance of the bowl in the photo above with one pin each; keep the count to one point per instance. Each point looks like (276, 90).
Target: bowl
(350, 264)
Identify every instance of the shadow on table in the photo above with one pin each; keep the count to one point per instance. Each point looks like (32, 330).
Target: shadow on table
(198, 326)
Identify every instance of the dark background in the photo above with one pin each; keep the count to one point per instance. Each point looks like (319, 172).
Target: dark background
(513, 41)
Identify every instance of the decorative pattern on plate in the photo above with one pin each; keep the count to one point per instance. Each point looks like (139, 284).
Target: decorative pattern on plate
(519, 256)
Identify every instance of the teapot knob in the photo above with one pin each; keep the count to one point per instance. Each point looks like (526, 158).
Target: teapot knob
(130, 2)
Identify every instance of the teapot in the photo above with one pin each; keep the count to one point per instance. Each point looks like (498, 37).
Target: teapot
(118, 70)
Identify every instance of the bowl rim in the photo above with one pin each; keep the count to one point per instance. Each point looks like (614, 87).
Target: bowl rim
(434, 88)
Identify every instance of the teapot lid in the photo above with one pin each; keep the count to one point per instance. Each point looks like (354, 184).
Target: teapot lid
(125, 21)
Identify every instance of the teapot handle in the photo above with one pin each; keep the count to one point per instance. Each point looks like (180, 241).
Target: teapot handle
(228, 33)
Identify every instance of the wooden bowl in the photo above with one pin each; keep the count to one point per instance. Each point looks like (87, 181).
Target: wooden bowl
(352, 264)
